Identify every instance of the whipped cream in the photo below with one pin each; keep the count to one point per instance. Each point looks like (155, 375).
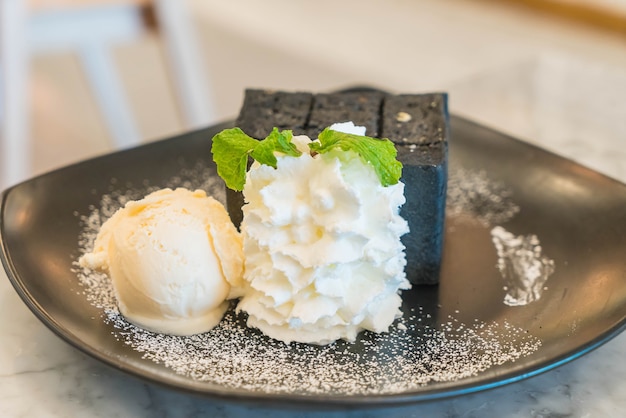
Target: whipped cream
(321, 239)
(174, 257)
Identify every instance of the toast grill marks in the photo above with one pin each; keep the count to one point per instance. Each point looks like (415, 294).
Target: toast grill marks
(361, 108)
(263, 110)
(417, 124)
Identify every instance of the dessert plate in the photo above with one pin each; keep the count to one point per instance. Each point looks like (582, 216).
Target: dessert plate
(455, 338)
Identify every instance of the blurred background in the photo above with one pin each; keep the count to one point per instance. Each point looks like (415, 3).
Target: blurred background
(83, 78)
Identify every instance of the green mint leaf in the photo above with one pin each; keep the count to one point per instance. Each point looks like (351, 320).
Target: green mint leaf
(380, 153)
(231, 149)
(275, 142)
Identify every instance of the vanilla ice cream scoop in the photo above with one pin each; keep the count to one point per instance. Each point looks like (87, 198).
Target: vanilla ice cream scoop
(174, 258)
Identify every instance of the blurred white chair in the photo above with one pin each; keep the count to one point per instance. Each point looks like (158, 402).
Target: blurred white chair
(90, 28)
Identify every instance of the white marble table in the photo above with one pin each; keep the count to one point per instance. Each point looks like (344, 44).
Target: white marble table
(42, 376)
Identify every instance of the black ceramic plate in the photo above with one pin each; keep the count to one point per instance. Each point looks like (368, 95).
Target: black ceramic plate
(577, 214)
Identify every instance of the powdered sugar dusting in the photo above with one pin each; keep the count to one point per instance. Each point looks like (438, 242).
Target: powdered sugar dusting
(485, 200)
(490, 203)
(524, 269)
(418, 349)
(402, 360)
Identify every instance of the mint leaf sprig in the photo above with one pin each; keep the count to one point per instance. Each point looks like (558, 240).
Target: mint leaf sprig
(379, 153)
(232, 147)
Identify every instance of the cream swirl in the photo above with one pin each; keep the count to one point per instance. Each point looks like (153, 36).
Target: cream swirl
(323, 257)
